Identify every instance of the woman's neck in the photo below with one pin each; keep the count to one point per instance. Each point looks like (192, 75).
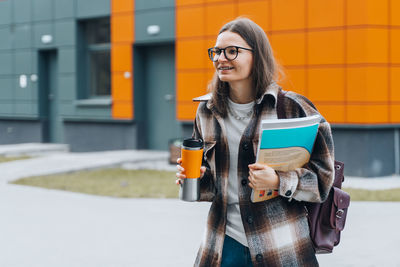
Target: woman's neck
(241, 93)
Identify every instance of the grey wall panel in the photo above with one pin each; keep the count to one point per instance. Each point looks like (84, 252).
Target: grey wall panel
(23, 108)
(67, 87)
(150, 4)
(5, 12)
(42, 10)
(365, 152)
(6, 39)
(40, 29)
(6, 63)
(65, 33)
(187, 130)
(23, 62)
(22, 11)
(164, 18)
(35, 109)
(83, 136)
(13, 132)
(22, 93)
(92, 8)
(6, 108)
(6, 88)
(93, 111)
(66, 60)
(64, 9)
(23, 36)
(67, 108)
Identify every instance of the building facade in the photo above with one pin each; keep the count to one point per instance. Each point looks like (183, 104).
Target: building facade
(121, 74)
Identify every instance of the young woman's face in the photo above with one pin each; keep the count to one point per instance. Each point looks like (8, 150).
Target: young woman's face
(238, 69)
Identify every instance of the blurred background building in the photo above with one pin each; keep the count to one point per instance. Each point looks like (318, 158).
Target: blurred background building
(121, 74)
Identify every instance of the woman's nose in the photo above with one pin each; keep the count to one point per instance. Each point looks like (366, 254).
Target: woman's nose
(222, 57)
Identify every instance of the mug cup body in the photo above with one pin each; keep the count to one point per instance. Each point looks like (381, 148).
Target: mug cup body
(192, 156)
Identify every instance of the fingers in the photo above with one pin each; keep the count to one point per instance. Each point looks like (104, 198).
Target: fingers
(181, 172)
(202, 171)
(257, 166)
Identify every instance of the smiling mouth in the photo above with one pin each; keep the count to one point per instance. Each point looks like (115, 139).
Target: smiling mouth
(225, 68)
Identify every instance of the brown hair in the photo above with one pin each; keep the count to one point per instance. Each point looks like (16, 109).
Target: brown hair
(263, 69)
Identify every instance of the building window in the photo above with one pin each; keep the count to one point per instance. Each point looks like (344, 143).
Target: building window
(95, 71)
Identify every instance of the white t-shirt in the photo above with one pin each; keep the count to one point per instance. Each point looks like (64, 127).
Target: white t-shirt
(235, 128)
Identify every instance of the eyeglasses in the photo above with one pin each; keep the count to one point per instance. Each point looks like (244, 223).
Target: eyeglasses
(230, 52)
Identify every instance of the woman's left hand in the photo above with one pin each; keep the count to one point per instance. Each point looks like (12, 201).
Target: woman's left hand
(262, 177)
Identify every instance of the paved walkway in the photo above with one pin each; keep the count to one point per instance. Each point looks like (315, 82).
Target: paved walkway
(47, 228)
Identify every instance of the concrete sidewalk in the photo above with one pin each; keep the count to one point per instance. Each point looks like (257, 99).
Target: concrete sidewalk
(49, 228)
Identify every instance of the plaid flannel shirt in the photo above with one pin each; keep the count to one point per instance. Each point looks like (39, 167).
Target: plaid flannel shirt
(276, 230)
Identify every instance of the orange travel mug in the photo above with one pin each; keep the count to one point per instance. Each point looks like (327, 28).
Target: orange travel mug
(192, 156)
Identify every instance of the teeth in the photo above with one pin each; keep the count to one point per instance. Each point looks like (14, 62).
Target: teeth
(225, 68)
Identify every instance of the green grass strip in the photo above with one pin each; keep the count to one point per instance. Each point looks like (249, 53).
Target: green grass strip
(151, 184)
(111, 182)
(7, 159)
(373, 195)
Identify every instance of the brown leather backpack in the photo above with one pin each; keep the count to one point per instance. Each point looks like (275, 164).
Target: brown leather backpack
(326, 220)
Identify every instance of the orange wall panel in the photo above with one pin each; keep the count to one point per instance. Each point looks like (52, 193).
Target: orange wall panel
(367, 12)
(395, 84)
(367, 113)
(289, 48)
(257, 11)
(122, 110)
(186, 111)
(188, 2)
(367, 46)
(122, 6)
(325, 13)
(195, 15)
(217, 15)
(122, 87)
(332, 113)
(367, 84)
(395, 12)
(293, 80)
(395, 45)
(288, 14)
(209, 76)
(121, 57)
(122, 38)
(190, 54)
(395, 113)
(220, 1)
(326, 84)
(326, 47)
(190, 85)
(122, 28)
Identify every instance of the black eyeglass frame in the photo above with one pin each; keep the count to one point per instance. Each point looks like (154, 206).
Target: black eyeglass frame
(224, 50)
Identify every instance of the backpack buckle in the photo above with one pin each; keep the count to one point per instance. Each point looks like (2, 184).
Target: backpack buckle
(339, 213)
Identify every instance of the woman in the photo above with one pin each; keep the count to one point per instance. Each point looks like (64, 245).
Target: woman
(239, 232)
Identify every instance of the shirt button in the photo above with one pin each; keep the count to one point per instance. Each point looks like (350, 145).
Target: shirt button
(288, 193)
(250, 220)
(244, 182)
(245, 146)
(259, 258)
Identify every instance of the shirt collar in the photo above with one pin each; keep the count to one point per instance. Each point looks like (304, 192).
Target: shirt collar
(271, 95)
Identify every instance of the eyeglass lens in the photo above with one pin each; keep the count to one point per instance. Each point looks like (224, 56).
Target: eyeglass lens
(230, 53)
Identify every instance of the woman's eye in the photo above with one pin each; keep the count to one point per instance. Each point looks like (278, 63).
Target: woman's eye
(231, 51)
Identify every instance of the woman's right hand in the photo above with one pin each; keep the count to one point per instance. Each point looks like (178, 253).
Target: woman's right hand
(181, 172)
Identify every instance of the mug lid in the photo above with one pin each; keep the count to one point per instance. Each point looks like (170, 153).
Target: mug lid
(191, 142)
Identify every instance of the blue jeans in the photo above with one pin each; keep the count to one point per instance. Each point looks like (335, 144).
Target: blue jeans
(235, 254)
